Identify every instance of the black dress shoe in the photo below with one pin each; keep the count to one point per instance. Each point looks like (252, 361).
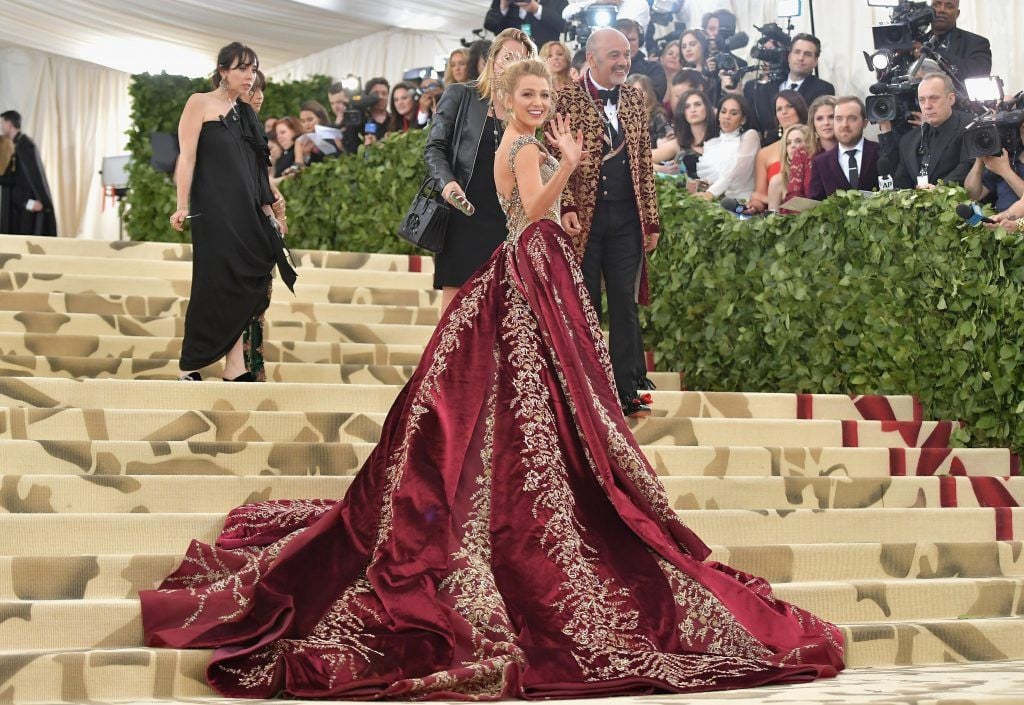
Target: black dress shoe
(244, 377)
(191, 377)
(635, 408)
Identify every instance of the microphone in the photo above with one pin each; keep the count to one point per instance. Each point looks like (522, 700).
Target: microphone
(733, 206)
(885, 180)
(971, 212)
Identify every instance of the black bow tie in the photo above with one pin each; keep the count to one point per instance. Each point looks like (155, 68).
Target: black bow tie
(611, 96)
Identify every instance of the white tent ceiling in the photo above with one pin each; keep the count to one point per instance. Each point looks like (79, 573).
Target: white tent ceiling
(183, 36)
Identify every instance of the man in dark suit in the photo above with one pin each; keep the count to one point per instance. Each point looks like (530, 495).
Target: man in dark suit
(969, 53)
(853, 162)
(541, 19)
(803, 59)
(933, 151)
(31, 207)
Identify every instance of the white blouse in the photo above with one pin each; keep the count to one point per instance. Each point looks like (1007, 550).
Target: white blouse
(728, 164)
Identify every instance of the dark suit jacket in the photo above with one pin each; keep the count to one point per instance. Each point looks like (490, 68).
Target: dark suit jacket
(761, 97)
(946, 163)
(969, 52)
(546, 29)
(827, 176)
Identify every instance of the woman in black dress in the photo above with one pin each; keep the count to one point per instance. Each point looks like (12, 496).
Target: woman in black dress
(470, 115)
(223, 190)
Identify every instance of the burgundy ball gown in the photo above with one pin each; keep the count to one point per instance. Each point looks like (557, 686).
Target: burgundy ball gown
(506, 538)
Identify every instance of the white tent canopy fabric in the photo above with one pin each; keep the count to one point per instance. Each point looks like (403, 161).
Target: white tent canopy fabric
(65, 64)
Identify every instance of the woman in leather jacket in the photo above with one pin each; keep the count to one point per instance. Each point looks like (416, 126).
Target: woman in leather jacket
(470, 117)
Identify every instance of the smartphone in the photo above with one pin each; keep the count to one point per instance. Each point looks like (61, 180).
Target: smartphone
(463, 204)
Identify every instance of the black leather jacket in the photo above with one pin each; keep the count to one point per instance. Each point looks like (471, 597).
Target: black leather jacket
(441, 163)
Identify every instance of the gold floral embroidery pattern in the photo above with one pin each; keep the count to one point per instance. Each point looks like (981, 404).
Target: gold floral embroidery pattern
(461, 319)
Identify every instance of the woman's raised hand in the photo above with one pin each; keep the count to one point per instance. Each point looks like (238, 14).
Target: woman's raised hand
(560, 135)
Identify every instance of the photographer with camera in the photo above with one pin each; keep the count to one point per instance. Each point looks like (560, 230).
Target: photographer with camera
(375, 110)
(802, 60)
(338, 97)
(541, 20)
(970, 54)
(933, 151)
(1002, 175)
(430, 91)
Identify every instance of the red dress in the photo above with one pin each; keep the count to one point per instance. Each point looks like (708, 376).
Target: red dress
(506, 538)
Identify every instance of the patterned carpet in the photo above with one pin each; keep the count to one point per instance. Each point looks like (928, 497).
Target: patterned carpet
(855, 508)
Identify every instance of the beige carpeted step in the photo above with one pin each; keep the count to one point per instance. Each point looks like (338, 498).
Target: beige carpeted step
(49, 420)
(149, 676)
(169, 348)
(156, 494)
(167, 251)
(38, 535)
(106, 624)
(162, 326)
(169, 307)
(171, 270)
(126, 394)
(91, 367)
(76, 577)
(23, 457)
(348, 292)
(907, 600)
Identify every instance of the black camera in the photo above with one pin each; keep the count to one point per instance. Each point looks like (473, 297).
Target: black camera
(359, 107)
(989, 135)
(910, 23)
(892, 101)
(775, 56)
(592, 17)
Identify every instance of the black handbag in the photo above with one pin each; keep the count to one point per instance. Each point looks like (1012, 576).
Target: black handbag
(426, 222)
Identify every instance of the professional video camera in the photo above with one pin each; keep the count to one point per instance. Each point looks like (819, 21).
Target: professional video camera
(771, 50)
(894, 95)
(998, 126)
(590, 18)
(360, 105)
(728, 41)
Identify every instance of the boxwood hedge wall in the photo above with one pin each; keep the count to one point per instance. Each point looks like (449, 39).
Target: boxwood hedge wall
(864, 295)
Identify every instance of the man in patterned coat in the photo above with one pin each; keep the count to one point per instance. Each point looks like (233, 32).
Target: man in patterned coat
(610, 207)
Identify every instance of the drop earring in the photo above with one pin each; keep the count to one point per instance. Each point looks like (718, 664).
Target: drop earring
(223, 83)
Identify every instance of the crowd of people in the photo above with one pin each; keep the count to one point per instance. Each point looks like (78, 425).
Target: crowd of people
(729, 138)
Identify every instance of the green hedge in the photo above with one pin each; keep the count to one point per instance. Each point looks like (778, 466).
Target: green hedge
(157, 102)
(876, 295)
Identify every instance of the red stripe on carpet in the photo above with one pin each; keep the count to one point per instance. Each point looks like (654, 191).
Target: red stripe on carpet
(649, 356)
(1004, 524)
(992, 492)
(805, 406)
(918, 411)
(929, 461)
(415, 263)
(850, 439)
(897, 462)
(1014, 464)
(874, 408)
(947, 491)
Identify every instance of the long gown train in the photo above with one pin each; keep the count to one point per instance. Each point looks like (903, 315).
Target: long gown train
(506, 538)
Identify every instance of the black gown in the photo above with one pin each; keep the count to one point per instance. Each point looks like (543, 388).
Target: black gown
(471, 240)
(234, 245)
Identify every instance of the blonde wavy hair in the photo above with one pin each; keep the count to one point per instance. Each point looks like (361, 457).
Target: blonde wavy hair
(520, 69)
(448, 77)
(810, 141)
(483, 86)
(561, 78)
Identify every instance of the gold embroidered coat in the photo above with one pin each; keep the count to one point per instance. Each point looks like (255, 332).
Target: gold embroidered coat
(580, 195)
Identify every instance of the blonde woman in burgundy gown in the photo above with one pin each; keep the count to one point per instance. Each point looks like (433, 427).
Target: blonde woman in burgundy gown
(507, 537)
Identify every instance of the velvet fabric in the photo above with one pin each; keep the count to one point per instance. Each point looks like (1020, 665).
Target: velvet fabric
(506, 538)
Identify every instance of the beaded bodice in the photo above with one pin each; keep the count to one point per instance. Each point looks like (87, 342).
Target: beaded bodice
(515, 214)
